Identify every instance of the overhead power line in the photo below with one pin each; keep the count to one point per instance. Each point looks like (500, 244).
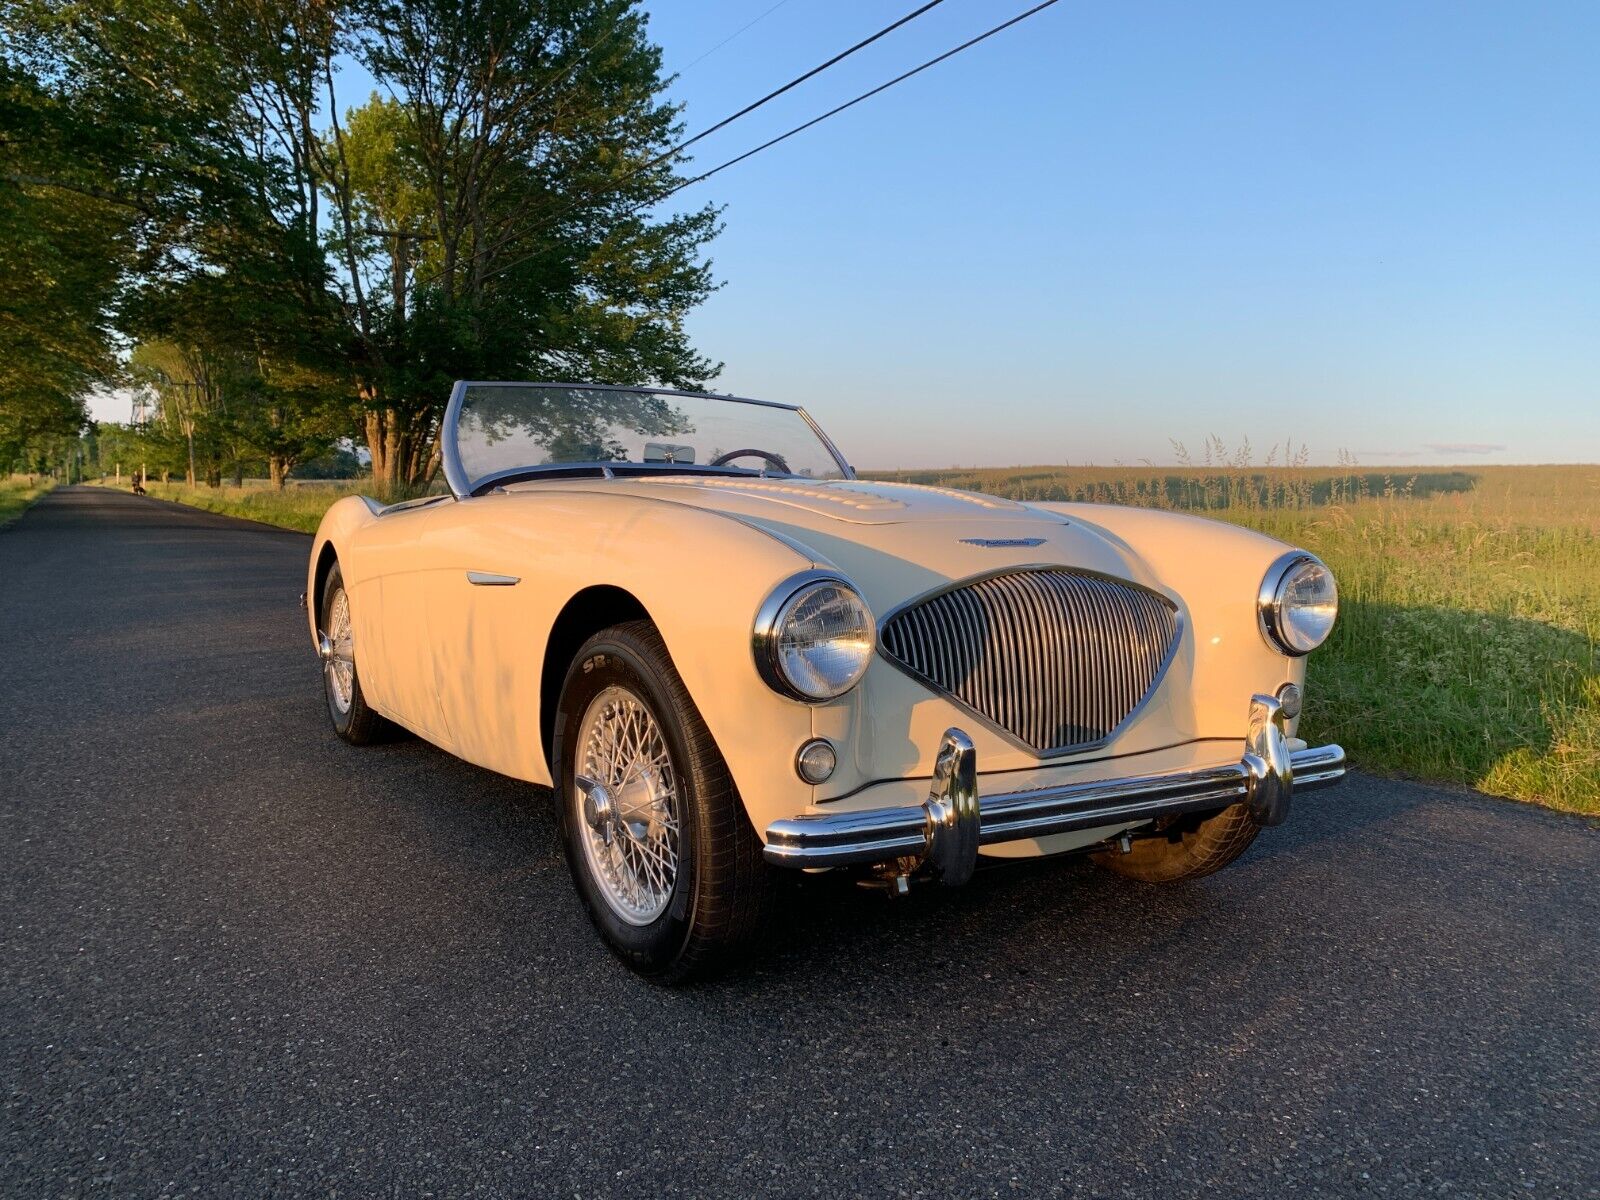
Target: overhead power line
(735, 34)
(793, 83)
(867, 95)
(832, 112)
(707, 132)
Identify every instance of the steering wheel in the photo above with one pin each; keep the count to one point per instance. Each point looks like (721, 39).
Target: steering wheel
(775, 460)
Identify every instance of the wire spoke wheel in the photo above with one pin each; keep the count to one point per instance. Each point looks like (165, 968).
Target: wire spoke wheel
(339, 662)
(628, 805)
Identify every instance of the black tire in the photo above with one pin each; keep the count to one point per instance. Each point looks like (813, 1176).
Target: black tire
(722, 890)
(357, 723)
(1188, 852)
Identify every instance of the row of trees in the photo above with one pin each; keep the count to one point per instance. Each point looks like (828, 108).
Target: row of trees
(185, 209)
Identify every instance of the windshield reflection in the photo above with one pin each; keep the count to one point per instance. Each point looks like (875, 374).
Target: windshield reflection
(498, 431)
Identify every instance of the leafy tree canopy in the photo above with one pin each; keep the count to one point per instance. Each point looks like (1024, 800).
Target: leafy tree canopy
(179, 172)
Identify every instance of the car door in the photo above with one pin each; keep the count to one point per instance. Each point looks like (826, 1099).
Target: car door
(491, 604)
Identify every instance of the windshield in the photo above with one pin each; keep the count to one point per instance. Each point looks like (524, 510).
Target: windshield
(498, 431)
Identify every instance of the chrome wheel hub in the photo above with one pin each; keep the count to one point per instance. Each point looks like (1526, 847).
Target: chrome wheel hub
(336, 649)
(599, 810)
(626, 795)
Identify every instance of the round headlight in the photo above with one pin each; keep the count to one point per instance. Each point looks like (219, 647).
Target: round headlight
(1298, 604)
(814, 638)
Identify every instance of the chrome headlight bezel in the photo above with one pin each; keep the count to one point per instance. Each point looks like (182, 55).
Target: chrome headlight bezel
(1276, 618)
(768, 639)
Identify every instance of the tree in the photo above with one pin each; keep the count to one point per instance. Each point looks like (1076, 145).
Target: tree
(186, 386)
(505, 189)
(64, 256)
(489, 216)
(109, 163)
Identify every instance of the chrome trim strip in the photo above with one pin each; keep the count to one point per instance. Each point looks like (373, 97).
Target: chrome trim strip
(490, 579)
(848, 471)
(880, 780)
(455, 474)
(946, 830)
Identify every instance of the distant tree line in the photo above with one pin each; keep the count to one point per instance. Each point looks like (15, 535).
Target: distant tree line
(185, 211)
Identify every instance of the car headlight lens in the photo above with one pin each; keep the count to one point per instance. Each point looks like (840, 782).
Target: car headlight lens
(1299, 603)
(814, 640)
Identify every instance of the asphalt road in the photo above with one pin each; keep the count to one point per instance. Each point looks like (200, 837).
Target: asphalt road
(242, 959)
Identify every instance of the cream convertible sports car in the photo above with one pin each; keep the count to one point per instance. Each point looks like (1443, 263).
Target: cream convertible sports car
(731, 658)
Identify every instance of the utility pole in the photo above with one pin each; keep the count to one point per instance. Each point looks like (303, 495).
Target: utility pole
(188, 425)
(143, 407)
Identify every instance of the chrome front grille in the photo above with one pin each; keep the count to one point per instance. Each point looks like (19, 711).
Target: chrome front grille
(1056, 658)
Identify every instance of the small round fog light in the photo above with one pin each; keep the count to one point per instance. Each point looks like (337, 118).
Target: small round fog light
(816, 761)
(1289, 698)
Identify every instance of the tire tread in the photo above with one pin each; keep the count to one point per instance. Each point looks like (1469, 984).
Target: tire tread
(1197, 853)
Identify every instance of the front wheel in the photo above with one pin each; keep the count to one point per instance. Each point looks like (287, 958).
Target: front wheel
(1187, 851)
(353, 720)
(654, 832)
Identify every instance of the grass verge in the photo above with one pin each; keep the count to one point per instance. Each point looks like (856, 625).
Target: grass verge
(297, 507)
(17, 492)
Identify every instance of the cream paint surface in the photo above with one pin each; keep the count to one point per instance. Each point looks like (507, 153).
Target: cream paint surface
(462, 664)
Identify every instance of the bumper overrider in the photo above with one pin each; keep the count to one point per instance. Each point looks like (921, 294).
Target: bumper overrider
(943, 834)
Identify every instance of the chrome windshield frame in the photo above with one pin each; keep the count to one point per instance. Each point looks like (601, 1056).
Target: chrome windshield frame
(462, 486)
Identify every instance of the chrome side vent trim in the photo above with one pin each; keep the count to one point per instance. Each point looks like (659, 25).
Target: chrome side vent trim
(1057, 659)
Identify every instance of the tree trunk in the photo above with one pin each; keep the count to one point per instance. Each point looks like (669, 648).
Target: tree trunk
(382, 460)
(278, 470)
(402, 442)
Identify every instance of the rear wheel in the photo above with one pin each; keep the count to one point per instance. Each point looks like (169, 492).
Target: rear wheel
(353, 720)
(1187, 852)
(655, 834)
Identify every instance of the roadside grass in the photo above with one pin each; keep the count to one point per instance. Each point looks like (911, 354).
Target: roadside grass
(17, 492)
(1468, 643)
(299, 506)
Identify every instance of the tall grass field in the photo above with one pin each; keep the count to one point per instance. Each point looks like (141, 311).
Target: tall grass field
(1468, 643)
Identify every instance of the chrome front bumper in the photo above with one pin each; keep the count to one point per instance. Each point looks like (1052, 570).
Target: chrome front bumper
(944, 832)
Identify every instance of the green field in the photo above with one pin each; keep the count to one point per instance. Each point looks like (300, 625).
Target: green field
(19, 491)
(1468, 648)
(1468, 643)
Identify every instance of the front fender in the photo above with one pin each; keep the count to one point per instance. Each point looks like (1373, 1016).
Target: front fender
(699, 576)
(335, 532)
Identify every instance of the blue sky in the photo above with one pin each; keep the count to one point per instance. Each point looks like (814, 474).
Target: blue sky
(1371, 228)
(1364, 227)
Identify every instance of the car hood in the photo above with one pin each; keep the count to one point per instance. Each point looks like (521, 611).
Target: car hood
(893, 540)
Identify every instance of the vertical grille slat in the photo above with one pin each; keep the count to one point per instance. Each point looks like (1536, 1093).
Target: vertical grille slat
(1056, 658)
